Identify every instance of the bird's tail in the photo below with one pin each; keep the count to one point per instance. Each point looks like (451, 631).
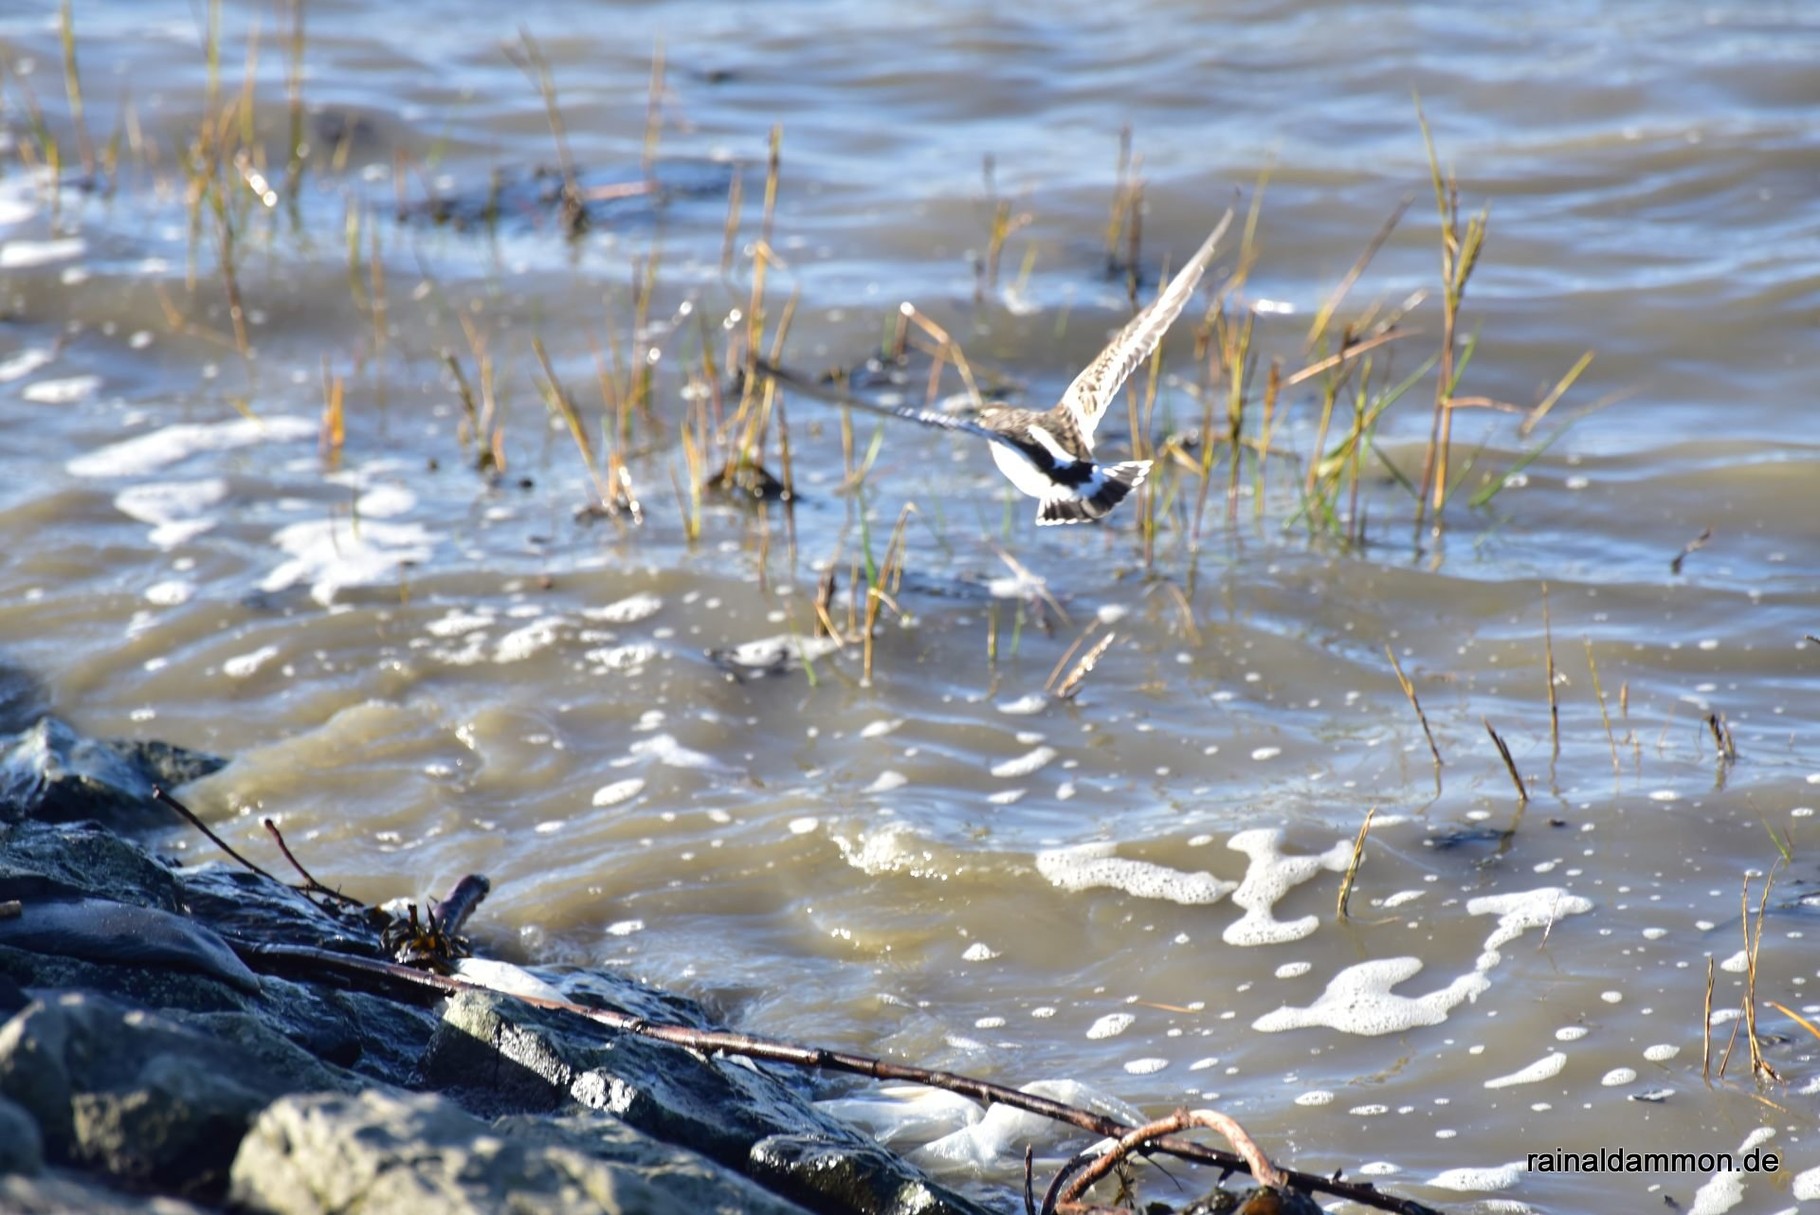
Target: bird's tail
(1096, 498)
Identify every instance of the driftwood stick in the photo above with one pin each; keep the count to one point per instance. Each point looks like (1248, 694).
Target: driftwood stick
(1096, 1166)
(303, 961)
(311, 885)
(158, 794)
(462, 901)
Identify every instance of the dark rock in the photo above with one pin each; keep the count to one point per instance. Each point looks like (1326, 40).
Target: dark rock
(497, 1056)
(59, 1193)
(143, 1099)
(145, 1052)
(81, 860)
(102, 930)
(50, 773)
(383, 1154)
(21, 1147)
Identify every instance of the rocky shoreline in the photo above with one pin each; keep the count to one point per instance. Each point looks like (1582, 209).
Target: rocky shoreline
(145, 1067)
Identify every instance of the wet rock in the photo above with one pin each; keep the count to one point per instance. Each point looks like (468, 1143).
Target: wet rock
(402, 1154)
(143, 1099)
(139, 1051)
(56, 1193)
(81, 860)
(50, 773)
(496, 1056)
(21, 1147)
(105, 931)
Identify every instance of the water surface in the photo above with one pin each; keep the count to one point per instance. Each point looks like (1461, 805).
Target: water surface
(421, 670)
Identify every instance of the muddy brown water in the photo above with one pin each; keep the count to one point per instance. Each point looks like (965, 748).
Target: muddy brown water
(420, 672)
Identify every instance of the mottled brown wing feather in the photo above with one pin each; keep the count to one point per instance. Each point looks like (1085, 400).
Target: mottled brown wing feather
(1093, 390)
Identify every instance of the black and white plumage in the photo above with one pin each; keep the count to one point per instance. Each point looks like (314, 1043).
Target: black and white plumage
(1048, 454)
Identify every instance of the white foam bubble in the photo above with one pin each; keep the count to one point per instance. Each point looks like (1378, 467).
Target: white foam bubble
(895, 1112)
(880, 728)
(1111, 1025)
(332, 554)
(1481, 1180)
(24, 362)
(242, 665)
(979, 951)
(529, 639)
(503, 976)
(62, 392)
(1003, 1131)
(629, 610)
(1031, 761)
(386, 502)
(150, 452)
(1316, 1096)
(1269, 877)
(886, 781)
(1661, 1052)
(1520, 911)
(621, 657)
(1024, 706)
(664, 749)
(618, 791)
(455, 622)
(23, 254)
(1724, 1190)
(1085, 866)
(1545, 1068)
(1618, 1076)
(1806, 1186)
(172, 592)
(1358, 1000)
(178, 510)
(1145, 1066)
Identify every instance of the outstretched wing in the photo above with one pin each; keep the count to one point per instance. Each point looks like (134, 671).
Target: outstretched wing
(834, 396)
(1093, 390)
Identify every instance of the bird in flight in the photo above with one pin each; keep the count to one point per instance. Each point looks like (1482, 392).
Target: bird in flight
(1048, 454)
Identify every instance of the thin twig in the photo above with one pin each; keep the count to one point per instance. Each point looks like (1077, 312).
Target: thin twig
(158, 794)
(311, 885)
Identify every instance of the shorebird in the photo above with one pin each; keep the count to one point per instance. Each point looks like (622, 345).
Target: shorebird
(1048, 454)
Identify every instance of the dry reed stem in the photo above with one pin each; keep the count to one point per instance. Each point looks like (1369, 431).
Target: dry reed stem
(1348, 351)
(1548, 662)
(1723, 740)
(1534, 416)
(1592, 665)
(1692, 546)
(334, 430)
(1459, 255)
(1076, 677)
(1409, 691)
(946, 348)
(1510, 765)
(1352, 864)
(1796, 1017)
(1706, 1026)
(1753, 944)
(1332, 303)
